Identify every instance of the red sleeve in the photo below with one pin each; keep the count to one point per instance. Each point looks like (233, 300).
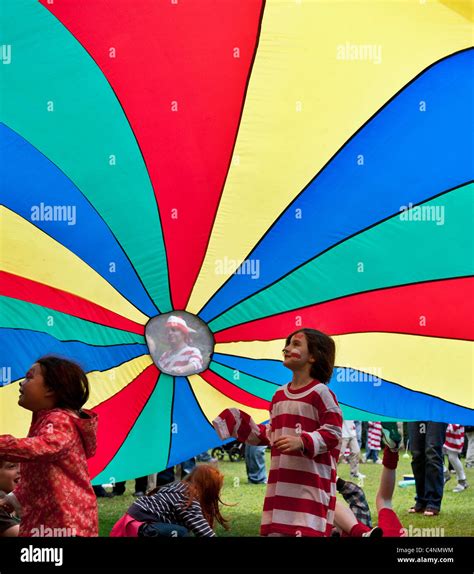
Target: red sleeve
(238, 424)
(53, 437)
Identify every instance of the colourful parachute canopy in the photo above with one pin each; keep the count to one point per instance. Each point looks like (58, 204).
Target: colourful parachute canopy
(261, 166)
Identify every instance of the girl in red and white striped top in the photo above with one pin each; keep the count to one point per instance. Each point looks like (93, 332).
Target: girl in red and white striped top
(304, 433)
(181, 358)
(187, 360)
(453, 445)
(454, 438)
(374, 436)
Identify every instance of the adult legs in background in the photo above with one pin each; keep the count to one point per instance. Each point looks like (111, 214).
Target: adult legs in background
(358, 426)
(372, 455)
(165, 477)
(119, 488)
(434, 479)
(141, 485)
(354, 456)
(344, 444)
(187, 466)
(151, 482)
(255, 464)
(204, 457)
(470, 449)
(417, 447)
(456, 463)
(100, 491)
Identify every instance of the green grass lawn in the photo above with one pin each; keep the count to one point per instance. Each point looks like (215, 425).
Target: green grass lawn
(456, 518)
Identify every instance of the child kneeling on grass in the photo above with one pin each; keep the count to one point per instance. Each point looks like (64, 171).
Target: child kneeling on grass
(176, 509)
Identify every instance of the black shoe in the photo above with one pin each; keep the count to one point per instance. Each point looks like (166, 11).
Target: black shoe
(138, 494)
(376, 532)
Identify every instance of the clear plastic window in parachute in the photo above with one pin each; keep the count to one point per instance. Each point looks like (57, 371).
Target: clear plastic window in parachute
(179, 343)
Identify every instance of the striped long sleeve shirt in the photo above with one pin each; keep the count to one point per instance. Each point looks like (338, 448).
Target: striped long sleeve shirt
(169, 505)
(189, 357)
(301, 491)
(454, 438)
(374, 435)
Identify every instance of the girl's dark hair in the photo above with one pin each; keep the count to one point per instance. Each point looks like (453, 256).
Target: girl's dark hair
(67, 380)
(323, 349)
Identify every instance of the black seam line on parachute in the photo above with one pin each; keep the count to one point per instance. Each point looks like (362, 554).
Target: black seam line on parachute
(435, 397)
(353, 369)
(346, 239)
(234, 385)
(398, 286)
(170, 442)
(124, 362)
(124, 387)
(122, 444)
(213, 351)
(91, 322)
(73, 340)
(237, 128)
(74, 294)
(346, 143)
(244, 372)
(98, 215)
(340, 334)
(144, 163)
(75, 316)
(197, 401)
(233, 398)
(141, 153)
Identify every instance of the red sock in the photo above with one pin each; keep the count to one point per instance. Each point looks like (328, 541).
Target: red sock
(358, 529)
(390, 459)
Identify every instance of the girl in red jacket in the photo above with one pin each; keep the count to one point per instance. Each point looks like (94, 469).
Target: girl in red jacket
(55, 496)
